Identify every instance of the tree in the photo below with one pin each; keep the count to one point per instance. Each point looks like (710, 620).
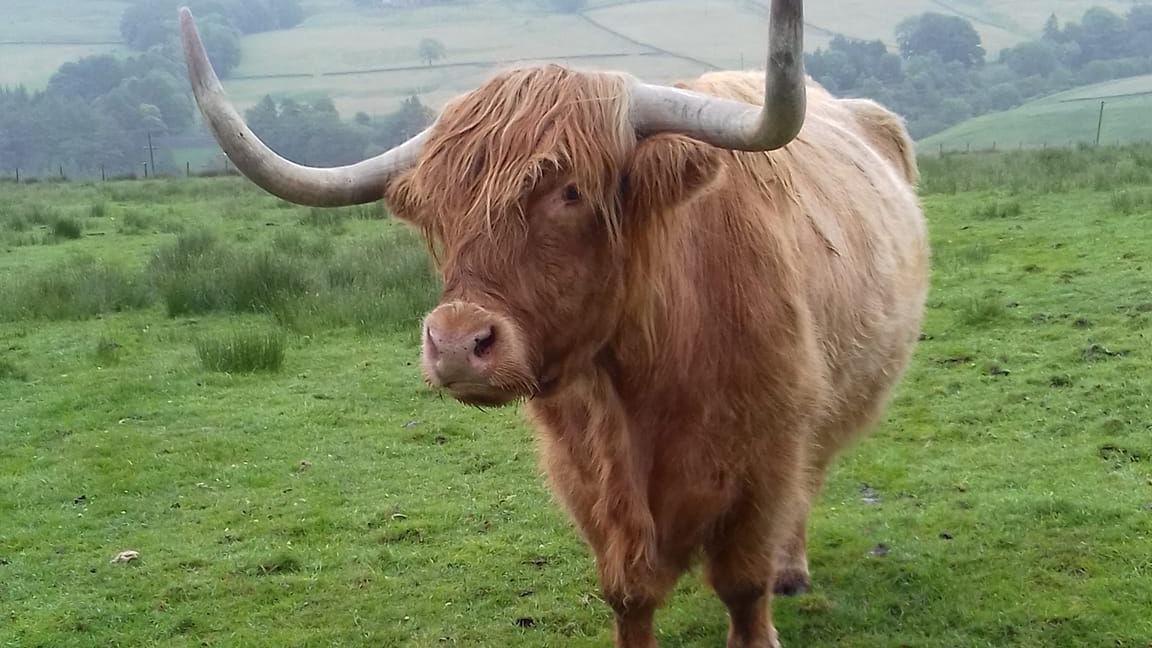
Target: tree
(431, 50)
(1033, 58)
(1103, 35)
(1052, 29)
(88, 78)
(400, 126)
(951, 37)
(1139, 21)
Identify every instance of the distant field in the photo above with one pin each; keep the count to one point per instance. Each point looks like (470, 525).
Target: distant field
(1060, 120)
(38, 36)
(681, 38)
(55, 21)
(33, 65)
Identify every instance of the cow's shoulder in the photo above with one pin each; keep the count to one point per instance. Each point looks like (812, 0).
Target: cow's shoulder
(885, 130)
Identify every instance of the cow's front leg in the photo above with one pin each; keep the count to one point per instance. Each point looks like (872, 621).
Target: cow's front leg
(634, 623)
(742, 556)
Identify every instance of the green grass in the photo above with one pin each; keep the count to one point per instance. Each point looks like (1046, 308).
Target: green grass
(338, 502)
(242, 351)
(1061, 120)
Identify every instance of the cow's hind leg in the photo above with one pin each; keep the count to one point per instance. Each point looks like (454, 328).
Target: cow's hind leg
(741, 566)
(792, 575)
(791, 561)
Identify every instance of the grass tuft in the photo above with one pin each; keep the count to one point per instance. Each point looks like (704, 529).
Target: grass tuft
(78, 288)
(282, 563)
(10, 371)
(998, 209)
(67, 228)
(107, 351)
(981, 310)
(1132, 201)
(242, 352)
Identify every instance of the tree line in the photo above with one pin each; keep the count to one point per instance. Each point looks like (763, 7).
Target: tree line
(941, 74)
(100, 111)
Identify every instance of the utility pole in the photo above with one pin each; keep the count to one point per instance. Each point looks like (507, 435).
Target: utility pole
(1100, 124)
(151, 155)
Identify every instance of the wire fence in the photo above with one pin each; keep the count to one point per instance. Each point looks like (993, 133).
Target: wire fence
(221, 166)
(984, 148)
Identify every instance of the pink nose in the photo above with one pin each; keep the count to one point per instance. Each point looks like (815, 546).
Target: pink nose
(455, 356)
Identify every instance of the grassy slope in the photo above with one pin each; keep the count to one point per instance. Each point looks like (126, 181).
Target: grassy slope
(338, 38)
(36, 36)
(1014, 471)
(1061, 119)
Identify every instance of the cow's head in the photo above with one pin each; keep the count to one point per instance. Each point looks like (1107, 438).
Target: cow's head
(528, 191)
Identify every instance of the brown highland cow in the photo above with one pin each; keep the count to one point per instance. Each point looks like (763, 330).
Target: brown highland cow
(702, 293)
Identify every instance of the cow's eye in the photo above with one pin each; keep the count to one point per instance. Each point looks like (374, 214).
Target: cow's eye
(571, 194)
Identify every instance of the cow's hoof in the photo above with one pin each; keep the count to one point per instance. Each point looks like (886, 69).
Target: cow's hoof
(792, 582)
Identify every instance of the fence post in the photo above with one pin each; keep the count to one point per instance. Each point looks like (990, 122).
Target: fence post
(151, 154)
(61, 171)
(17, 175)
(187, 169)
(145, 170)
(103, 176)
(993, 146)
(941, 149)
(968, 149)
(1100, 124)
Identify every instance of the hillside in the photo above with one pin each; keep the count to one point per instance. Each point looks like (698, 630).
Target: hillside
(1062, 119)
(366, 59)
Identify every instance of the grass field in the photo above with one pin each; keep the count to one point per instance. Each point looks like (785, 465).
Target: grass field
(317, 494)
(1063, 119)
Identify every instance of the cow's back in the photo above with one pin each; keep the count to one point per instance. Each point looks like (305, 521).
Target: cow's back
(841, 202)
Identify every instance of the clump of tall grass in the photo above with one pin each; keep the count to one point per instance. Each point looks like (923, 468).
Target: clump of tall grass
(1043, 171)
(65, 227)
(198, 274)
(997, 209)
(77, 288)
(305, 281)
(295, 243)
(134, 221)
(98, 209)
(107, 351)
(242, 351)
(1131, 201)
(981, 309)
(10, 371)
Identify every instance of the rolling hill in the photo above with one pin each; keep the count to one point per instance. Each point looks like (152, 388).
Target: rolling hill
(1062, 119)
(366, 58)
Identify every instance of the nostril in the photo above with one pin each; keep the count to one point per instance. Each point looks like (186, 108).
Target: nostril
(483, 342)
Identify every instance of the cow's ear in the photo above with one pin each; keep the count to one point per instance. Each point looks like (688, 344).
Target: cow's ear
(400, 199)
(666, 171)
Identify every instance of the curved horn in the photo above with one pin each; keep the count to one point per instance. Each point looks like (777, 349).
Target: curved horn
(318, 187)
(732, 124)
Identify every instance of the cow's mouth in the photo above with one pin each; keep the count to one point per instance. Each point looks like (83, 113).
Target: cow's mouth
(480, 395)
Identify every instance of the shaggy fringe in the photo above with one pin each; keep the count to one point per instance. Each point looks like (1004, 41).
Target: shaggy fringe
(492, 146)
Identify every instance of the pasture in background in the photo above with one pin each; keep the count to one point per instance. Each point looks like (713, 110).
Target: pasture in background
(228, 384)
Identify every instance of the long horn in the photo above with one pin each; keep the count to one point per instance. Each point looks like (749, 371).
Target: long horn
(732, 124)
(355, 184)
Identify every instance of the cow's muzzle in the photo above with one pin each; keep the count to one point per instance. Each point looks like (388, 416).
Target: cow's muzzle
(476, 355)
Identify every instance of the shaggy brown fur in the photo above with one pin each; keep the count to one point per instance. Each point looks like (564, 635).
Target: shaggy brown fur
(698, 331)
